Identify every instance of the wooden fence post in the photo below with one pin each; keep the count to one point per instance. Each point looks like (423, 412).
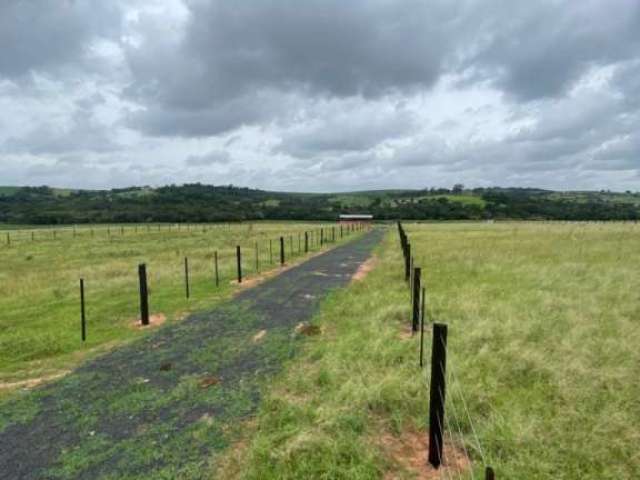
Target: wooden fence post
(186, 275)
(239, 263)
(83, 318)
(270, 253)
(489, 474)
(306, 242)
(437, 394)
(416, 299)
(144, 294)
(281, 250)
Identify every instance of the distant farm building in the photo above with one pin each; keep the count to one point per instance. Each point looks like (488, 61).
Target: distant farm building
(355, 218)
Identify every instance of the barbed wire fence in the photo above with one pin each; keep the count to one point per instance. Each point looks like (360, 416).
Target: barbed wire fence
(227, 263)
(452, 439)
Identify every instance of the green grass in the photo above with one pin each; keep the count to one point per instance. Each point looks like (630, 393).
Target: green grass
(39, 284)
(352, 200)
(8, 191)
(543, 345)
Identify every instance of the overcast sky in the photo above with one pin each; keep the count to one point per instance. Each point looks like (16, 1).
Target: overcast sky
(320, 95)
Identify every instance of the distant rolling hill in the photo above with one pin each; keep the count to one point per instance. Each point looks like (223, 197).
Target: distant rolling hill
(209, 203)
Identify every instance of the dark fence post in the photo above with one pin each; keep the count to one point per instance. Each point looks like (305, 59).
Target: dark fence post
(144, 294)
(340, 230)
(239, 263)
(186, 276)
(83, 318)
(407, 262)
(424, 293)
(321, 236)
(333, 234)
(270, 253)
(489, 474)
(299, 248)
(416, 299)
(281, 250)
(437, 394)
(306, 242)
(215, 262)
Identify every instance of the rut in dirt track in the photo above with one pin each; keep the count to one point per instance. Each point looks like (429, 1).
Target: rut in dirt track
(162, 406)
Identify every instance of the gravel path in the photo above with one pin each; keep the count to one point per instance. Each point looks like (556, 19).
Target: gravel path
(162, 406)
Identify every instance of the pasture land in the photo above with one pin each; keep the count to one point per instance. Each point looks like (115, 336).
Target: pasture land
(543, 348)
(40, 271)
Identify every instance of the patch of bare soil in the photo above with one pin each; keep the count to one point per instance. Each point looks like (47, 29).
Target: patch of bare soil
(209, 381)
(32, 382)
(154, 321)
(365, 268)
(409, 452)
(406, 332)
(259, 336)
(307, 329)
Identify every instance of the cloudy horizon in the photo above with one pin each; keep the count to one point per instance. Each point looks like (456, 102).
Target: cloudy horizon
(321, 96)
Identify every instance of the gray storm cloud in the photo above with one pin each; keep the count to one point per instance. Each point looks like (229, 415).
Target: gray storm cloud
(424, 92)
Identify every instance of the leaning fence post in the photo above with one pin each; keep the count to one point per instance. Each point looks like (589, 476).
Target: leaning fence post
(489, 474)
(144, 295)
(215, 262)
(437, 394)
(83, 318)
(186, 275)
(239, 263)
(281, 250)
(416, 299)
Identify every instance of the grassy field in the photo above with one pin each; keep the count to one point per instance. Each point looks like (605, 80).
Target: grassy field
(39, 283)
(542, 359)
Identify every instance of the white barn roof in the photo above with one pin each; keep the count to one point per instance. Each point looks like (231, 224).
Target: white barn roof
(356, 216)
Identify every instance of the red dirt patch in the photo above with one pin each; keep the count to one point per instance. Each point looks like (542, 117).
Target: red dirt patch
(207, 382)
(409, 451)
(364, 269)
(154, 321)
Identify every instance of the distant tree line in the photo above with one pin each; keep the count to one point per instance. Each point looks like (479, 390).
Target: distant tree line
(207, 203)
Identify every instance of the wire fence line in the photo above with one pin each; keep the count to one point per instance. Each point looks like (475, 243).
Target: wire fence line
(448, 438)
(111, 296)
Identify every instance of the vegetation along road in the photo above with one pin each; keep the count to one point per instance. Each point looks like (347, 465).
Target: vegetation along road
(161, 406)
